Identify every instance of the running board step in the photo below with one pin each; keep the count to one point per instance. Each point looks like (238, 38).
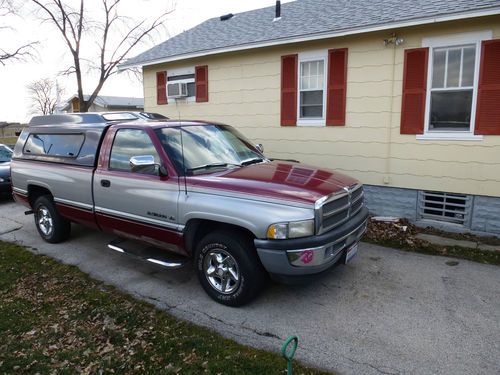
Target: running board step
(154, 255)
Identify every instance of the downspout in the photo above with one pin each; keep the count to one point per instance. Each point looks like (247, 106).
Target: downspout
(386, 178)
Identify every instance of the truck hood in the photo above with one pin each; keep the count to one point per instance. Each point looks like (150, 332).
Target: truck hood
(276, 180)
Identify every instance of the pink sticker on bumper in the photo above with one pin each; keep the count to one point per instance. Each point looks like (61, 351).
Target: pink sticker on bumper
(307, 256)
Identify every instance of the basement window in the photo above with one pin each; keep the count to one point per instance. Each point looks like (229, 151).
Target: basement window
(448, 207)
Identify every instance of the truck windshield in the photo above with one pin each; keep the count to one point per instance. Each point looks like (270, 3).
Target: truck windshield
(207, 147)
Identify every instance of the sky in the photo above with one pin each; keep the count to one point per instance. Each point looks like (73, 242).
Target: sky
(52, 56)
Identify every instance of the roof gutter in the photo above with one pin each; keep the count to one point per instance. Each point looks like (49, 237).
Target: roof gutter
(326, 35)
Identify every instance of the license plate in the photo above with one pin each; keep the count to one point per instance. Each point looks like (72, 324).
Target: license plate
(351, 252)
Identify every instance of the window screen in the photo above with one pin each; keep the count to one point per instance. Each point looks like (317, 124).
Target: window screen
(129, 143)
(311, 88)
(452, 88)
(188, 79)
(64, 145)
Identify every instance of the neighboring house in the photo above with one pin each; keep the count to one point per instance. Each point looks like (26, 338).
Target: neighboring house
(10, 129)
(105, 104)
(402, 94)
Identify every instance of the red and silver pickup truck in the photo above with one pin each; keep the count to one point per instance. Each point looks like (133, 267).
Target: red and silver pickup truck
(174, 191)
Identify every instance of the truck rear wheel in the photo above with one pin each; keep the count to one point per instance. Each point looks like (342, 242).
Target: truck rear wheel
(229, 269)
(51, 226)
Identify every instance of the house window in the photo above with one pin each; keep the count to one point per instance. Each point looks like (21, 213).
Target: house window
(452, 82)
(452, 88)
(186, 76)
(188, 79)
(312, 83)
(311, 94)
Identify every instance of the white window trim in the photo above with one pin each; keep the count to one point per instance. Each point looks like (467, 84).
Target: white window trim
(451, 41)
(180, 72)
(313, 56)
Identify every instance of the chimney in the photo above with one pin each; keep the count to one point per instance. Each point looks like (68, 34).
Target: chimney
(277, 15)
(226, 17)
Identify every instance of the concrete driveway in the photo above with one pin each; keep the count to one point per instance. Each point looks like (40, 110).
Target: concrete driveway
(388, 312)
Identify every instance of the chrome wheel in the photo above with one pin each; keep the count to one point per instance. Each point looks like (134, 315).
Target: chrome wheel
(45, 222)
(221, 271)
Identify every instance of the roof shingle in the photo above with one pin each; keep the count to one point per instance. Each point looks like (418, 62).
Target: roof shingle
(303, 18)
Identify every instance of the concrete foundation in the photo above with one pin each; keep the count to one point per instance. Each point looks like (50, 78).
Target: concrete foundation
(400, 202)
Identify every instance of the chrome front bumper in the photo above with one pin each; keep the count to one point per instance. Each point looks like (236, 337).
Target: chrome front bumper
(311, 255)
(317, 256)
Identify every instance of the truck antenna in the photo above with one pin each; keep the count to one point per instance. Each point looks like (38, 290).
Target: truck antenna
(184, 170)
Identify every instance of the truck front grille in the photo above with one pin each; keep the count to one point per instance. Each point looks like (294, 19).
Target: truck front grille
(340, 207)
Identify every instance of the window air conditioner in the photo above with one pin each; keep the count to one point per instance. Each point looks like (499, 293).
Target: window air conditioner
(177, 90)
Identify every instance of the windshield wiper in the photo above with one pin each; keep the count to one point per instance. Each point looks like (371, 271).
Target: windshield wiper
(251, 161)
(208, 166)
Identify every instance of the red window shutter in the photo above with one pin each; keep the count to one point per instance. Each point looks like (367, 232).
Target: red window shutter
(488, 96)
(201, 82)
(161, 87)
(336, 87)
(414, 91)
(289, 90)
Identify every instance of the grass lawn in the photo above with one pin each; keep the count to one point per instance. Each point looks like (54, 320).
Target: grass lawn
(56, 319)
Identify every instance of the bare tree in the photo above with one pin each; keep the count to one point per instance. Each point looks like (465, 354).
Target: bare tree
(18, 53)
(44, 96)
(74, 25)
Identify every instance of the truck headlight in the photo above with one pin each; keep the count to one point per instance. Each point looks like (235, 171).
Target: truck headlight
(294, 229)
(2, 180)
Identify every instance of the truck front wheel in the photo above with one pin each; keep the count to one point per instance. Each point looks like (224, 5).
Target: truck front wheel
(228, 268)
(51, 226)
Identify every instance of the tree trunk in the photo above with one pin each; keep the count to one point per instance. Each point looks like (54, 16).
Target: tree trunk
(84, 107)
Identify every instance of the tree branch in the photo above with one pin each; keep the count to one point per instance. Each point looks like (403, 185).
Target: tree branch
(20, 54)
(71, 25)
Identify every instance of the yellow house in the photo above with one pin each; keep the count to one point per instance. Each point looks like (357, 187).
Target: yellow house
(403, 95)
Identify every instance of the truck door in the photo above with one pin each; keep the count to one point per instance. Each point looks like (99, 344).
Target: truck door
(136, 203)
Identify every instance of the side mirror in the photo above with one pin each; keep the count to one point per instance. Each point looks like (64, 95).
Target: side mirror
(260, 147)
(142, 161)
(163, 171)
(146, 164)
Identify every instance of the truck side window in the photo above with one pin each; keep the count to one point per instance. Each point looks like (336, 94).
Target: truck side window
(129, 143)
(65, 145)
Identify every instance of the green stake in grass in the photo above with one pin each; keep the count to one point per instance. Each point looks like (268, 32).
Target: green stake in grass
(288, 355)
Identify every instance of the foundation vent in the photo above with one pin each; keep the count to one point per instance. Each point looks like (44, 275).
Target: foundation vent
(449, 207)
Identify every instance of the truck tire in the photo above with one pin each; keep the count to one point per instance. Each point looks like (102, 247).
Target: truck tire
(51, 226)
(228, 268)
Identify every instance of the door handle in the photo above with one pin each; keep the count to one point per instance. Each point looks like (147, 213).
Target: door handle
(105, 183)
